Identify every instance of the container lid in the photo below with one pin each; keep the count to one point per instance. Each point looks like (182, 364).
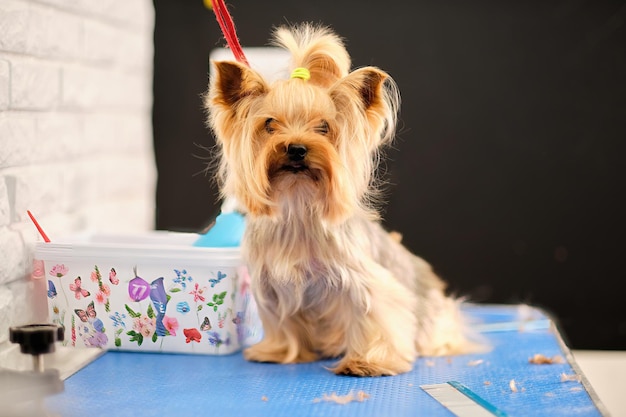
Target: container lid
(154, 247)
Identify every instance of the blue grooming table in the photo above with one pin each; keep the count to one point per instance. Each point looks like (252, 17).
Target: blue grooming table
(143, 384)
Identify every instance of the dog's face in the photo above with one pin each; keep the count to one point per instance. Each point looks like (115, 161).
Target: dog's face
(300, 146)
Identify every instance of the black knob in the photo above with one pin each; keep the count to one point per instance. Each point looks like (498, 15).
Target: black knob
(36, 339)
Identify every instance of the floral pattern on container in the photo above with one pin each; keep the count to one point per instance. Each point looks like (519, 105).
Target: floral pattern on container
(104, 291)
(179, 310)
(144, 326)
(57, 272)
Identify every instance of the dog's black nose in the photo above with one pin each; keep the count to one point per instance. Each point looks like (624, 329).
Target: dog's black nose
(296, 153)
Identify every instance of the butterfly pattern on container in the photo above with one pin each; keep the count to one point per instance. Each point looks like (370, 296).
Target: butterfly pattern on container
(90, 328)
(206, 324)
(113, 277)
(52, 290)
(132, 320)
(218, 279)
(78, 290)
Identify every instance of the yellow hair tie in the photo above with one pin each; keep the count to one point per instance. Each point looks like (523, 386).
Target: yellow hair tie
(301, 72)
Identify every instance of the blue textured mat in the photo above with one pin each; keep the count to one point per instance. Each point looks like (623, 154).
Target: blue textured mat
(140, 384)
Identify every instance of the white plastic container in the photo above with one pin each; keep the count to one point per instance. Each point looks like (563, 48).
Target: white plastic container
(150, 292)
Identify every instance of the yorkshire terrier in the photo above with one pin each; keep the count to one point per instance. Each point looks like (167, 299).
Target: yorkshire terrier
(300, 156)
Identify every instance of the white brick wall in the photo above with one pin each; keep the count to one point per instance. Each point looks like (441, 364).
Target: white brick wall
(75, 129)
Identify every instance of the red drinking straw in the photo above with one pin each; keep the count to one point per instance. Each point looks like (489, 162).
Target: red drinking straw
(41, 232)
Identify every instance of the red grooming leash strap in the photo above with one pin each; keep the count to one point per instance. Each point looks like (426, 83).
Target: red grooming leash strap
(228, 29)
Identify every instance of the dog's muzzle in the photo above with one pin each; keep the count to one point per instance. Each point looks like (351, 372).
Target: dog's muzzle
(295, 158)
(296, 152)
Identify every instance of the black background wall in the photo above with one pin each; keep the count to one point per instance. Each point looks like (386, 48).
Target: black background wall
(508, 171)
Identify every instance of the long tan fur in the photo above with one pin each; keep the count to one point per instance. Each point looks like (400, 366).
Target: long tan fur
(328, 280)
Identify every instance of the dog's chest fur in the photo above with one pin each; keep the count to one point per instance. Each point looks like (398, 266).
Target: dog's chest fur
(303, 273)
(295, 252)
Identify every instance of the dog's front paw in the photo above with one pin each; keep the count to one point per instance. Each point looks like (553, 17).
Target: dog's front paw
(361, 367)
(258, 354)
(266, 352)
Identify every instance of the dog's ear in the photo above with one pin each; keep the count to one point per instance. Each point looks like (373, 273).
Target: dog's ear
(367, 83)
(371, 92)
(233, 81)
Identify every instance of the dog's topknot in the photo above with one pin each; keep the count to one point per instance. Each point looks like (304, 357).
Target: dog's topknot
(316, 48)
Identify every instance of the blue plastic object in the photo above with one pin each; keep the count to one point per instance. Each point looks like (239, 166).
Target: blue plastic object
(142, 384)
(226, 233)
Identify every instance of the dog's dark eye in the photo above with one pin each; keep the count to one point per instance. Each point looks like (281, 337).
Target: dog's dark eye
(268, 125)
(322, 128)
